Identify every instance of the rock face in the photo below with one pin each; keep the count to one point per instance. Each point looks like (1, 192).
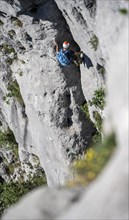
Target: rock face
(46, 119)
(65, 199)
(107, 197)
(87, 25)
(81, 18)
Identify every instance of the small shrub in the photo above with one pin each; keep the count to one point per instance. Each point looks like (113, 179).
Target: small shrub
(11, 192)
(8, 48)
(98, 99)
(14, 91)
(11, 168)
(85, 109)
(87, 169)
(123, 11)
(97, 138)
(97, 135)
(98, 120)
(7, 139)
(94, 42)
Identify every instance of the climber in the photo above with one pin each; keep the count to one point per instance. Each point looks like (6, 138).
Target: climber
(66, 56)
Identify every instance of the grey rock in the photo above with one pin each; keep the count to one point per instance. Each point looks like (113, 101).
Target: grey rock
(107, 196)
(53, 120)
(80, 16)
(49, 202)
(9, 156)
(4, 172)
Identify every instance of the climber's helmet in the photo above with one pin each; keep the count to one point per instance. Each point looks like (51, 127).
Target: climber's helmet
(66, 45)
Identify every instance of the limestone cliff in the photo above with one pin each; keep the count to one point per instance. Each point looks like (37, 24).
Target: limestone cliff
(48, 121)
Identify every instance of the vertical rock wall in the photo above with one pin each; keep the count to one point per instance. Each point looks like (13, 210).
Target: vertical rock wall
(95, 26)
(80, 16)
(49, 123)
(107, 196)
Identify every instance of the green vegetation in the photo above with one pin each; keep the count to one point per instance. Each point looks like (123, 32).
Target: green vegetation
(123, 11)
(87, 169)
(7, 139)
(99, 99)
(97, 138)
(85, 109)
(94, 42)
(17, 22)
(11, 34)
(8, 48)
(98, 123)
(11, 192)
(98, 120)
(14, 91)
(1, 23)
(11, 168)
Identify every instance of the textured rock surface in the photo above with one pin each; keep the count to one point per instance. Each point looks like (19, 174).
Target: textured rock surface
(50, 122)
(44, 199)
(107, 197)
(87, 23)
(80, 16)
(111, 185)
